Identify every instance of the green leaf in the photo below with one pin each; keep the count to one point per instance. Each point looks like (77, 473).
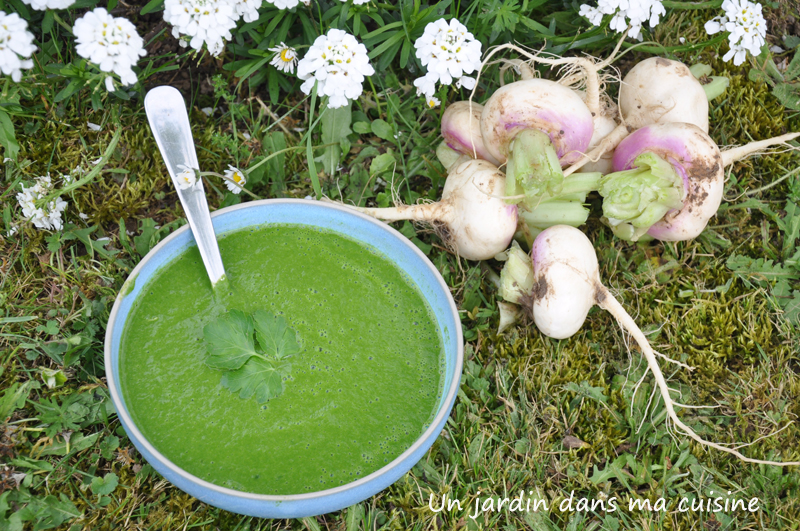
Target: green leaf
(229, 341)
(792, 72)
(258, 377)
(105, 485)
(335, 128)
(791, 307)
(759, 271)
(362, 128)
(7, 138)
(152, 5)
(14, 397)
(381, 163)
(788, 94)
(382, 129)
(274, 337)
(248, 371)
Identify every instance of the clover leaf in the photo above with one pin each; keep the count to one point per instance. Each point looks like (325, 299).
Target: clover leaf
(251, 367)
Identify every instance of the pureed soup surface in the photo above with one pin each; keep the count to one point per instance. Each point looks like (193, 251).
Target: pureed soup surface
(363, 388)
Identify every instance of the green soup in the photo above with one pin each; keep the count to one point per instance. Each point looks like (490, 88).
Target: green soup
(362, 390)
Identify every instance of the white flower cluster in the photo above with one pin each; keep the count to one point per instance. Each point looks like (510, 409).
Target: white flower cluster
(285, 4)
(747, 27)
(285, 58)
(41, 5)
(338, 62)
(48, 216)
(111, 43)
(633, 12)
(203, 21)
(16, 45)
(247, 9)
(449, 52)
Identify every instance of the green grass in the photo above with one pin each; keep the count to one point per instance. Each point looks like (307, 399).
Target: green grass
(548, 417)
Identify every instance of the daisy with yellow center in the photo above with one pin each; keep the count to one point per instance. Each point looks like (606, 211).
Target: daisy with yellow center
(187, 177)
(285, 58)
(433, 102)
(235, 179)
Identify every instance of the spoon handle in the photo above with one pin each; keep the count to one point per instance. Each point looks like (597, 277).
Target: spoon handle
(169, 121)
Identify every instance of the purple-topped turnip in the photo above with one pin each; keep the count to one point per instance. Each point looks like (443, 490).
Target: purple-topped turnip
(461, 129)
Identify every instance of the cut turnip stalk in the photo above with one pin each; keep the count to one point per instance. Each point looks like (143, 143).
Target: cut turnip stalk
(461, 129)
(472, 219)
(635, 199)
(533, 168)
(714, 86)
(509, 315)
(567, 284)
(446, 155)
(516, 277)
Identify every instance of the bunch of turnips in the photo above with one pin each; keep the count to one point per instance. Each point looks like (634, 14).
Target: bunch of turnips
(517, 173)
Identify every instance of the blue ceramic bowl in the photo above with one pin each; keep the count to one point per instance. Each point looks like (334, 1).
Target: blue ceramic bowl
(349, 223)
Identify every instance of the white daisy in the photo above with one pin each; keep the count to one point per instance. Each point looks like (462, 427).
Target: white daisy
(201, 22)
(449, 52)
(187, 178)
(285, 58)
(235, 179)
(43, 217)
(432, 102)
(338, 62)
(111, 43)
(16, 45)
(42, 5)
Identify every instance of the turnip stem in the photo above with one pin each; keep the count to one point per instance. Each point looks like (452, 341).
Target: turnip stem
(422, 212)
(606, 300)
(555, 213)
(738, 153)
(606, 145)
(716, 87)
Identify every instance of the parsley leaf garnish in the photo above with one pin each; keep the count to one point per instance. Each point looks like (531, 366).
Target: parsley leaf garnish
(252, 367)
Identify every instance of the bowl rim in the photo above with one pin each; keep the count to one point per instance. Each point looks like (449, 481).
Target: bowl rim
(449, 396)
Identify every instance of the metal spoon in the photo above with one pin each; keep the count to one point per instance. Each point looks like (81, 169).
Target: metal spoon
(169, 121)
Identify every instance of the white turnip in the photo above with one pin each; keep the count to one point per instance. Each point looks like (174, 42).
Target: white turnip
(567, 284)
(472, 219)
(659, 90)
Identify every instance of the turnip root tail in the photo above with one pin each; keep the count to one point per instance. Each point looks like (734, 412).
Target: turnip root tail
(421, 212)
(606, 300)
(738, 153)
